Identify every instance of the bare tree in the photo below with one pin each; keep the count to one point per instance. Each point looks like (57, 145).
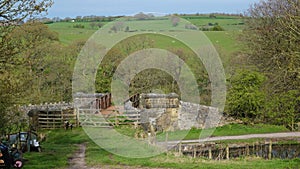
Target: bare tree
(175, 20)
(13, 11)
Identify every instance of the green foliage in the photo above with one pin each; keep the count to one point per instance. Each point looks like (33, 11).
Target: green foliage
(245, 99)
(272, 35)
(33, 70)
(42, 61)
(152, 80)
(282, 109)
(217, 28)
(78, 26)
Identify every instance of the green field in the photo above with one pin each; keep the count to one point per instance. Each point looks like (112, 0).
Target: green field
(224, 41)
(60, 145)
(229, 23)
(68, 34)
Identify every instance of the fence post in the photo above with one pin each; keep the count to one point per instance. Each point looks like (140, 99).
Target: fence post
(270, 151)
(247, 150)
(227, 152)
(179, 148)
(195, 151)
(209, 153)
(167, 137)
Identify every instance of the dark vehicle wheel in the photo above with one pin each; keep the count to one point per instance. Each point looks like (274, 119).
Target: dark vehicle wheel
(17, 156)
(4, 157)
(18, 164)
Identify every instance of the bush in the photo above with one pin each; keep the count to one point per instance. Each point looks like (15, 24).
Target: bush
(245, 98)
(78, 26)
(217, 28)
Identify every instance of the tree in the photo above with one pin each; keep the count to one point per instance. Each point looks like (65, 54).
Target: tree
(245, 98)
(175, 20)
(273, 37)
(141, 16)
(93, 25)
(212, 15)
(282, 109)
(13, 12)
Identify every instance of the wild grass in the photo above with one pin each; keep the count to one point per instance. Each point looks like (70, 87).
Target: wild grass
(60, 145)
(227, 130)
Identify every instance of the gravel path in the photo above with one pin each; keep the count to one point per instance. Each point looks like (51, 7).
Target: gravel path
(240, 137)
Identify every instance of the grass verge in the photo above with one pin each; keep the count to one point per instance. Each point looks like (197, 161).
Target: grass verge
(61, 144)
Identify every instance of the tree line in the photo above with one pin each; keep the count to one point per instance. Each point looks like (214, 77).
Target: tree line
(269, 92)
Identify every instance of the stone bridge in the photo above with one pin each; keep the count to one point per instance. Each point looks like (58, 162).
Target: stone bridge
(164, 111)
(167, 112)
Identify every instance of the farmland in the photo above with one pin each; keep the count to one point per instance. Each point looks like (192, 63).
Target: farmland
(225, 42)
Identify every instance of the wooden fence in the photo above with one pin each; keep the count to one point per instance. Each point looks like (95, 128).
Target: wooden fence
(92, 118)
(56, 118)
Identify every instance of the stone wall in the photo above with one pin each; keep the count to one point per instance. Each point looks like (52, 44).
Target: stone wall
(92, 101)
(198, 116)
(152, 100)
(166, 112)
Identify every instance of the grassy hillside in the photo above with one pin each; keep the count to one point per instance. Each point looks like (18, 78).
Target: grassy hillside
(224, 41)
(68, 34)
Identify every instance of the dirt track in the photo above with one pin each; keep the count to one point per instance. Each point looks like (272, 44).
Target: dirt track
(77, 161)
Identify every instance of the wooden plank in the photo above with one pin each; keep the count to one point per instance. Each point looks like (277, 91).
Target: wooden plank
(89, 109)
(50, 115)
(50, 118)
(53, 122)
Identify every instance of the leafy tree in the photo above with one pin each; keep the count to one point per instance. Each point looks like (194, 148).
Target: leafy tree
(282, 109)
(212, 15)
(13, 12)
(245, 98)
(273, 36)
(152, 79)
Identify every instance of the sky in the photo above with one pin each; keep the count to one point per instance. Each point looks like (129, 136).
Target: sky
(73, 8)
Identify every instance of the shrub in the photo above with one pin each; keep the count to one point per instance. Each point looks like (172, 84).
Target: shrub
(78, 26)
(217, 28)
